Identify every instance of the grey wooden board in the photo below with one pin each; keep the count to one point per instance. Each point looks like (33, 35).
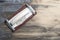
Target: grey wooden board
(11, 5)
(14, 1)
(44, 26)
(13, 8)
(30, 31)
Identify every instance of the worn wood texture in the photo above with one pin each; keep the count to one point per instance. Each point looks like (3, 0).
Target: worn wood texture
(43, 26)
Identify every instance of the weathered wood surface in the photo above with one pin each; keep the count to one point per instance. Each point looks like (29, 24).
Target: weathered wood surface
(43, 26)
(11, 5)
